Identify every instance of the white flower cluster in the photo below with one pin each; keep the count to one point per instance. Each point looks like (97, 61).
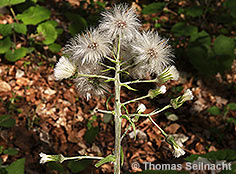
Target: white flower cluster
(147, 52)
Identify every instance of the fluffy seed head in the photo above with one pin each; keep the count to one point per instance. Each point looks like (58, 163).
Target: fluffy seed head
(154, 54)
(88, 86)
(122, 21)
(89, 47)
(188, 95)
(64, 69)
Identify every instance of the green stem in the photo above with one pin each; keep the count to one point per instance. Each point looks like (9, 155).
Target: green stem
(104, 111)
(117, 114)
(96, 76)
(141, 81)
(125, 132)
(162, 131)
(82, 157)
(152, 113)
(134, 100)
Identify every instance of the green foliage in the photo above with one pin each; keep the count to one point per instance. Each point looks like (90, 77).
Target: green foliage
(48, 31)
(20, 28)
(7, 121)
(194, 11)
(181, 29)
(10, 151)
(34, 15)
(5, 29)
(56, 166)
(78, 23)
(5, 45)
(228, 155)
(55, 48)
(155, 7)
(107, 159)
(214, 110)
(91, 134)
(78, 166)
(10, 2)
(14, 55)
(231, 4)
(17, 167)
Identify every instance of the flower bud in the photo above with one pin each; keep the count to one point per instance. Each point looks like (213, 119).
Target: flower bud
(47, 158)
(152, 93)
(178, 151)
(141, 108)
(170, 73)
(177, 102)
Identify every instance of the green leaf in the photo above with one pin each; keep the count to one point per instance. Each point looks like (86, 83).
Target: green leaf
(10, 151)
(107, 159)
(34, 15)
(78, 23)
(91, 134)
(181, 29)
(55, 48)
(55, 166)
(202, 38)
(194, 11)
(1, 150)
(224, 46)
(128, 87)
(132, 124)
(78, 166)
(49, 32)
(214, 110)
(20, 28)
(155, 7)
(231, 4)
(232, 120)
(7, 121)
(231, 106)
(228, 155)
(5, 29)
(5, 45)
(14, 55)
(17, 167)
(10, 2)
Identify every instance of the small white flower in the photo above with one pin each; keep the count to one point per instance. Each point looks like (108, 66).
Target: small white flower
(122, 21)
(90, 86)
(88, 48)
(141, 108)
(188, 95)
(178, 151)
(163, 89)
(154, 54)
(64, 69)
(44, 158)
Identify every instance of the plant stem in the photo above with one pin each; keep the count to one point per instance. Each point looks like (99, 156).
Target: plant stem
(141, 81)
(82, 157)
(162, 131)
(117, 114)
(134, 100)
(96, 76)
(152, 113)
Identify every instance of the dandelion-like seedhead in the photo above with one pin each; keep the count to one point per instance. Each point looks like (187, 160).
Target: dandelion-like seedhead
(89, 86)
(89, 47)
(64, 69)
(120, 21)
(154, 54)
